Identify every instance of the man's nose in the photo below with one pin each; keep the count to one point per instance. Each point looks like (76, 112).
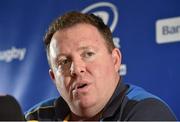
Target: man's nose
(77, 68)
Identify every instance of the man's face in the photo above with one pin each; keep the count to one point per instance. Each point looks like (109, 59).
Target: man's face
(83, 70)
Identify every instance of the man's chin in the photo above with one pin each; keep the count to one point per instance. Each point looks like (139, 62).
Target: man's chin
(85, 103)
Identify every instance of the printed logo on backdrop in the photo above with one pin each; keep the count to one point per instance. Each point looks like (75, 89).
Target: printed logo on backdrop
(109, 14)
(168, 30)
(12, 54)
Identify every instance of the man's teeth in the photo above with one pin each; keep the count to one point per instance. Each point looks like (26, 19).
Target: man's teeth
(81, 86)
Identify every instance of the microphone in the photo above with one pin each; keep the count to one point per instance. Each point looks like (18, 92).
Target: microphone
(10, 109)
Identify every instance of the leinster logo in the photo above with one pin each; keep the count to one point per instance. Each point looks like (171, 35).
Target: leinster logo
(107, 11)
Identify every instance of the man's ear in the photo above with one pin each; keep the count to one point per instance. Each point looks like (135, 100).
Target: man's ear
(116, 54)
(51, 73)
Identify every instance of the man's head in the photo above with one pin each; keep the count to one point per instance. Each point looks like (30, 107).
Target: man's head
(84, 62)
(73, 18)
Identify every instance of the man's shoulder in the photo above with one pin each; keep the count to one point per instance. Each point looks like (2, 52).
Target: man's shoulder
(143, 105)
(137, 93)
(150, 109)
(46, 106)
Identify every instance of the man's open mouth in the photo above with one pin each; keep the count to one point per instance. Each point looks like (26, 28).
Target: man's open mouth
(81, 85)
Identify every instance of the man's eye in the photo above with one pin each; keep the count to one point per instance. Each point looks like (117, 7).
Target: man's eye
(88, 54)
(64, 62)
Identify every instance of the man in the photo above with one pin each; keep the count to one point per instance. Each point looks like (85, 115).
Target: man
(84, 66)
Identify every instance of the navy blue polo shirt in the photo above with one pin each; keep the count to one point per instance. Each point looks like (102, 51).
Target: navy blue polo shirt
(128, 103)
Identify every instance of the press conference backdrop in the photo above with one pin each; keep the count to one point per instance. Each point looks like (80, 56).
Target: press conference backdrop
(146, 31)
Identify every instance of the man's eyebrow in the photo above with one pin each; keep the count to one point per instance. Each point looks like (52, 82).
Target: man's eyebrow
(78, 49)
(85, 48)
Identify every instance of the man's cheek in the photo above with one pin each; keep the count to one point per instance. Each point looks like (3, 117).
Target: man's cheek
(99, 71)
